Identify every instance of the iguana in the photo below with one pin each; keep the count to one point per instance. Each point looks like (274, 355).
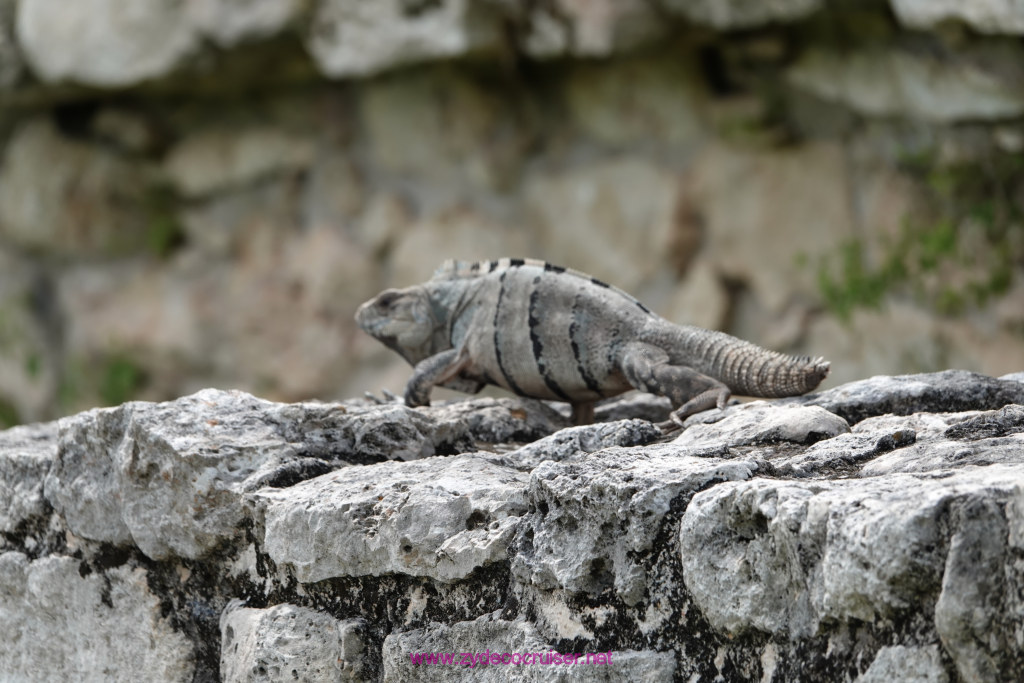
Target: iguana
(553, 333)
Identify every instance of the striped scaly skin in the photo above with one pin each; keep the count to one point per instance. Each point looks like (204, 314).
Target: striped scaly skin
(552, 333)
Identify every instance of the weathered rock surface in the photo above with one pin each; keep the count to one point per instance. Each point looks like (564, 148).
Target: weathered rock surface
(947, 391)
(350, 37)
(286, 641)
(427, 518)
(61, 622)
(894, 83)
(169, 477)
(988, 16)
(739, 14)
(404, 661)
(868, 532)
(102, 42)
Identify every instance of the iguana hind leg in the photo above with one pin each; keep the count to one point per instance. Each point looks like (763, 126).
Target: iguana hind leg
(647, 368)
(583, 413)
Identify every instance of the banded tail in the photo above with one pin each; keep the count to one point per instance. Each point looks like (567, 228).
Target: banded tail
(748, 369)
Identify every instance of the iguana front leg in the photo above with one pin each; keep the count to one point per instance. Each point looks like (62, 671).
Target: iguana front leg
(647, 368)
(437, 369)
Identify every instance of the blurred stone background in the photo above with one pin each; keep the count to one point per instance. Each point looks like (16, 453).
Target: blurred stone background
(199, 192)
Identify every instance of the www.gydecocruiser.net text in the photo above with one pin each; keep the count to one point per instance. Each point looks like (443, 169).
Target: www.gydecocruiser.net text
(473, 659)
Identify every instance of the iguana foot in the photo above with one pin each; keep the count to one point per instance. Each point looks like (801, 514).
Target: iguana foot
(388, 397)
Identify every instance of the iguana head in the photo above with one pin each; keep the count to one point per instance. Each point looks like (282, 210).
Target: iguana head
(403, 320)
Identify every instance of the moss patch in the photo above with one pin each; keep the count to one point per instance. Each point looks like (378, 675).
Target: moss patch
(961, 250)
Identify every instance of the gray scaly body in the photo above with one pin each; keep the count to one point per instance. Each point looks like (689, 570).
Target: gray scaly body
(551, 333)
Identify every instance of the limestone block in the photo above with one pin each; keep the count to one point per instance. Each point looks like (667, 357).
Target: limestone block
(135, 306)
(83, 483)
(789, 198)
(192, 321)
(286, 641)
(243, 221)
(768, 542)
(105, 43)
(899, 338)
(582, 217)
(290, 300)
(699, 299)
(217, 159)
(26, 454)
(946, 391)
(230, 22)
(635, 102)
(503, 420)
(475, 641)
(896, 83)
(633, 405)
(595, 514)
(990, 437)
(759, 423)
(867, 444)
(572, 441)
(739, 14)
(65, 197)
(458, 233)
(335, 191)
(28, 376)
(781, 557)
(385, 217)
(169, 477)
(441, 519)
(465, 132)
(587, 29)
(980, 612)
(902, 663)
(986, 16)
(111, 44)
(906, 337)
(354, 38)
(60, 623)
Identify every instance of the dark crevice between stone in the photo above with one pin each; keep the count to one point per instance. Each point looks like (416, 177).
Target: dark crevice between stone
(74, 119)
(35, 537)
(293, 472)
(383, 602)
(193, 595)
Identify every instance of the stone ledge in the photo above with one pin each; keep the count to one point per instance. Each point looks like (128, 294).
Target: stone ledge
(235, 536)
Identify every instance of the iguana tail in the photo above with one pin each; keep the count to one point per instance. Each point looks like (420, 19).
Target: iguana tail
(746, 368)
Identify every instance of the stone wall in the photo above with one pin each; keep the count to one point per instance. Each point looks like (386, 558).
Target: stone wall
(200, 193)
(871, 533)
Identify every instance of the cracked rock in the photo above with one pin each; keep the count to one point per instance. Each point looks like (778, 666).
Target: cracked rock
(289, 642)
(441, 518)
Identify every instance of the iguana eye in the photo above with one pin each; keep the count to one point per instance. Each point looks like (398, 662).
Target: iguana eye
(387, 298)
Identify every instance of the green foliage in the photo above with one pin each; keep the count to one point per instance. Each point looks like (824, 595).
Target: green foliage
(164, 232)
(961, 251)
(33, 365)
(109, 381)
(8, 414)
(120, 380)
(856, 284)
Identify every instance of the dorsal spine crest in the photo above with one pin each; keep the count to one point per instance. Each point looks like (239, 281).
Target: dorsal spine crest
(452, 269)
